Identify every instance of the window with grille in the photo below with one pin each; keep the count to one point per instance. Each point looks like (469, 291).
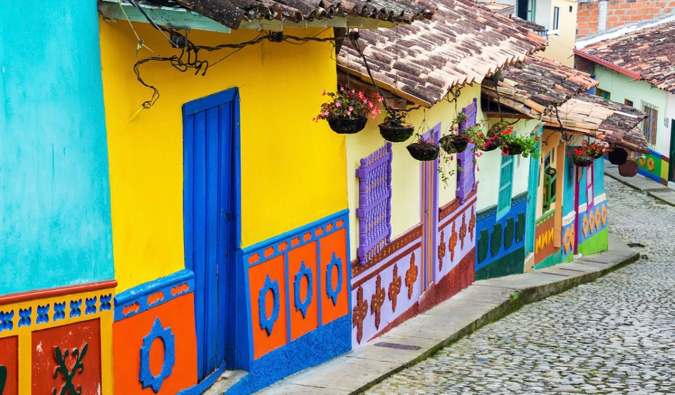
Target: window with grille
(505, 186)
(649, 125)
(374, 210)
(603, 93)
(466, 177)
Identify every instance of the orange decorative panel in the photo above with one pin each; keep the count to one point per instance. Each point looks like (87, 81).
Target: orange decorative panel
(334, 276)
(268, 306)
(177, 315)
(302, 271)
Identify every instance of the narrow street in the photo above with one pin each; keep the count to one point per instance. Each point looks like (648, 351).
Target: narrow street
(614, 335)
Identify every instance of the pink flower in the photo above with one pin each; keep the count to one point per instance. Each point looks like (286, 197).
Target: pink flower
(338, 104)
(324, 93)
(351, 108)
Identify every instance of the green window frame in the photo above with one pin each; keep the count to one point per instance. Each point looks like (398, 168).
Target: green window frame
(603, 93)
(505, 186)
(550, 183)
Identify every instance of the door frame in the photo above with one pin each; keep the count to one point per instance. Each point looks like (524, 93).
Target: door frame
(236, 353)
(428, 251)
(532, 197)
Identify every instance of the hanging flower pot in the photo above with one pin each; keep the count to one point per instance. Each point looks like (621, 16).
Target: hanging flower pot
(512, 149)
(348, 110)
(491, 144)
(582, 160)
(454, 143)
(344, 125)
(423, 151)
(617, 156)
(628, 169)
(395, 129)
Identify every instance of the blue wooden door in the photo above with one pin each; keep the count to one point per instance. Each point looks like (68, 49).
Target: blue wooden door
(532, 188)
(208, 127)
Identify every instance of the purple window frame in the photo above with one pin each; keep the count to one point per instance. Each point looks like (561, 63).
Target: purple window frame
(374, 211)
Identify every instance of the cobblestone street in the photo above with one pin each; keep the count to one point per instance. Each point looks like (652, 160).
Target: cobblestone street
(614, 335)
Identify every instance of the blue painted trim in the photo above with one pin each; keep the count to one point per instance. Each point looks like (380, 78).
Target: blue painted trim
(7, 320)
(319, 283)
(146, 377)
(140, 293)
(287, 236)
(287, 300)
(204, 384)
(649, 175)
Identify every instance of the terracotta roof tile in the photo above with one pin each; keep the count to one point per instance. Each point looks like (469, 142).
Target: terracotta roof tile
(545, 89)
(232, 13)
(649, 53)
(463, 44)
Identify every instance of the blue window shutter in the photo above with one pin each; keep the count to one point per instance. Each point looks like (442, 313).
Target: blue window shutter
(505, 185)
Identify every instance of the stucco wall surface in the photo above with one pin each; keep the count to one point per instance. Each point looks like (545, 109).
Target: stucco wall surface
(54, 193)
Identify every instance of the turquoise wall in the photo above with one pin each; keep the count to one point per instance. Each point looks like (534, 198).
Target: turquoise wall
(54, 191)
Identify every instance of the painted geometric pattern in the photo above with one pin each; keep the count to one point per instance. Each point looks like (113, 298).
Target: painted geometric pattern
(148, 295)
(497, 239)
(289, 274)
(594, 220)
(455, 234)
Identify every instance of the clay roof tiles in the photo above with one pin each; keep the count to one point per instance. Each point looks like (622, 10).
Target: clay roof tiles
(545, 89)
(461, 45)
(648, 53)
(235, 13)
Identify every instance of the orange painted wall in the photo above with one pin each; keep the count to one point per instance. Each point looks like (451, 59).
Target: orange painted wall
(334, 243)
(178, 314)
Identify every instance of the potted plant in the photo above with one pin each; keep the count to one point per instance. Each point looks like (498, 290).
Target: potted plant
(394, 128)
(423, 150)
(595, 150)
(628, 169)
(348, 110)
(455, 141)
(513, 144)
(617, 156)
(483, 141)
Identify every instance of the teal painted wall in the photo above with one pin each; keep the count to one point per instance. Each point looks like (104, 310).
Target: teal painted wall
(54, 188)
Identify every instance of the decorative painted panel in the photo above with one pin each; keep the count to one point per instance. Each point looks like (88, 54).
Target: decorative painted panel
(67, 359)
(388, 290)
(500, 243)
(544, 244)
(298, 283)
(374, 210)
(593, 220)
(9, 366)
(155, 348)
(139, 299)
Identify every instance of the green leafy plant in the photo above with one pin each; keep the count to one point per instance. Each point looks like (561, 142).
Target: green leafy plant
(514, 144)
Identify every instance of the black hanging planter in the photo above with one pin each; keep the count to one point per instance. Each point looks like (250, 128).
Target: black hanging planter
(454, 143)
(490, 145)
(344, 125)
(512, 149)
(617, 156)
(423, 151)
(582, 161)
(628, 169)
(395, 133)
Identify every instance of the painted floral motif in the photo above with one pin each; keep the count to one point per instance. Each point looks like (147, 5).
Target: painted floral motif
(359, 314)
(597, 218)
(462, 233)
(394, 288)
(472, 222)
(441, 251)
(452, 243)
(67, 372)
(411, 275)
(604, 215)
(591, 222)
(376, 301)
(569, 239)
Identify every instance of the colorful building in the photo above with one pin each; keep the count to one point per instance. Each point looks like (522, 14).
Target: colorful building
(642, 76)
(175, 220)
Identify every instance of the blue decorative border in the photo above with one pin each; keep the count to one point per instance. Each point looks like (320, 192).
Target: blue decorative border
(299, 233)
(140, 293)
(334, 291)
(492, 210)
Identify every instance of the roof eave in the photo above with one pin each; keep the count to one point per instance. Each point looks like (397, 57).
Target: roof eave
(607, 64)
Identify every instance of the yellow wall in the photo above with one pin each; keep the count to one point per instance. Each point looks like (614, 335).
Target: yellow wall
(292, 168)
(560, 46)
(405, 201)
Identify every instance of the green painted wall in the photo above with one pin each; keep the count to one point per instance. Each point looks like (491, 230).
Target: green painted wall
(551, 260)
(511, 263)
(595, 244)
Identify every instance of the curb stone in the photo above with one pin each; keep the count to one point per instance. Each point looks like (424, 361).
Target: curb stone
(483, 302)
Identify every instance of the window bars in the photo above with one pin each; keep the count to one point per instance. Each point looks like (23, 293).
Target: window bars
(466, 178)
(374, 210)
(650, 124)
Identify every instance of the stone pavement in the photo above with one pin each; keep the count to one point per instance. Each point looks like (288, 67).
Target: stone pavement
(536, 349)
(643, 184)
(615, 335)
